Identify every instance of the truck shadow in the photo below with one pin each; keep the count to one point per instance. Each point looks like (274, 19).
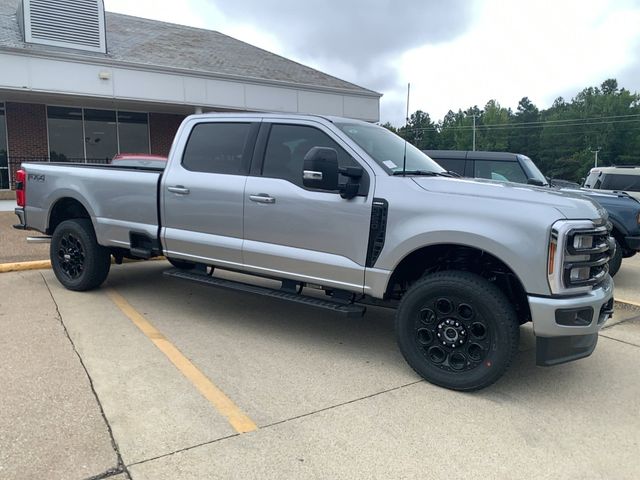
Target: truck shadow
(188, 312)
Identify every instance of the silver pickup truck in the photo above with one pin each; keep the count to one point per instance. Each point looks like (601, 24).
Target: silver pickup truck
(350, 209)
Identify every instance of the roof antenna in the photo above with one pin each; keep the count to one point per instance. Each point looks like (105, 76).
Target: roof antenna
(406, 132)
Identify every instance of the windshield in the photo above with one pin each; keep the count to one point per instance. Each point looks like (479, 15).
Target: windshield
(534, 172)
(387, 149)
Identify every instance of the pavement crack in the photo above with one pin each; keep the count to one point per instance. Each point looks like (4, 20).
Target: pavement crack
(112, 472)
(277, 423)
(120, 467)
(612, 325)
(621, 341)
(185, 449)
(338, 405)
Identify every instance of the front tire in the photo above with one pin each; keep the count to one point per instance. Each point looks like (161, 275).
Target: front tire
(78, 261)
(616, 260)
(457, 330)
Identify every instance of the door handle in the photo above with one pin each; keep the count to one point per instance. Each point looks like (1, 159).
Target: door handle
(179, 189)
(262, 198)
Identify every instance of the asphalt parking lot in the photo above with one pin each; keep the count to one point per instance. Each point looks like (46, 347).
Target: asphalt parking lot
(154, 378)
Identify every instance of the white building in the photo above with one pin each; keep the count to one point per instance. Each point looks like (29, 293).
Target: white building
(78, 84)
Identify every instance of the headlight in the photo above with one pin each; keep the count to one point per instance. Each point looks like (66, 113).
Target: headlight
(579, 254)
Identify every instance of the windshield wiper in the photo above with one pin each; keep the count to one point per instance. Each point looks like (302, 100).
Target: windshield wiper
(426, 173)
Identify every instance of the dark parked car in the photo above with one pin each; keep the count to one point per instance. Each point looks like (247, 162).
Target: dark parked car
(624, 210)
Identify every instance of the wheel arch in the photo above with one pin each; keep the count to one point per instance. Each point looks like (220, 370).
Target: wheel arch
(66, 208)
(462, 257)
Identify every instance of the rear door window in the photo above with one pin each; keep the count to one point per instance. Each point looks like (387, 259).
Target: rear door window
(218, 148)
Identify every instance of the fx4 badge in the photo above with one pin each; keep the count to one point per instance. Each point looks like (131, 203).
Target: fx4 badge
(35, 178)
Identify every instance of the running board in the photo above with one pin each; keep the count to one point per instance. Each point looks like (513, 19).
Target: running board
(348, 309)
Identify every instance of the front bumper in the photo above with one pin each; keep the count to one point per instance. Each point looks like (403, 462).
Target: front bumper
(19, 211)
(633, 243)
(564, 342)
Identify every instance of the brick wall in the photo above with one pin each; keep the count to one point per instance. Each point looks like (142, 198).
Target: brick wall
(162, 129)
(26, 132)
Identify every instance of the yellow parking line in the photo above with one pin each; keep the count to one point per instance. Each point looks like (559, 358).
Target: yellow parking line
(238, 420)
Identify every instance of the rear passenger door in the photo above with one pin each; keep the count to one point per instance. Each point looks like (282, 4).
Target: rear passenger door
(202, 193)
(295, 232)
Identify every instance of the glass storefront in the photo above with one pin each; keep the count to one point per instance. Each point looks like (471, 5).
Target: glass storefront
(133, 131)
(93, 135)
(100, 135)
(4, 165)
(65, 134)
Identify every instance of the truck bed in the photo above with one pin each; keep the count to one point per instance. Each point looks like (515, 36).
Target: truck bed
(118, 199)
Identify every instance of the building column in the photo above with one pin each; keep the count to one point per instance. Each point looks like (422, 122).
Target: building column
(162, 129)
(26, 135)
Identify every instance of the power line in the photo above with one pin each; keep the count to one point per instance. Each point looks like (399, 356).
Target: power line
(612, 119)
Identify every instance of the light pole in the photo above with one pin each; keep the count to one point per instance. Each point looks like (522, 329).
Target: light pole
(596, 159)
(474, 133)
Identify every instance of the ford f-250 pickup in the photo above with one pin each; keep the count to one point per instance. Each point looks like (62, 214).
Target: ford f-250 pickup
(351, 209)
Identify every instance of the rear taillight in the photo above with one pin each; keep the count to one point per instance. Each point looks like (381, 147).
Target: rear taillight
(21, 185)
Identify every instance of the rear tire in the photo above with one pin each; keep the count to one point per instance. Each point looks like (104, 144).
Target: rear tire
(78, 261)
(616, 260)
(457, 330)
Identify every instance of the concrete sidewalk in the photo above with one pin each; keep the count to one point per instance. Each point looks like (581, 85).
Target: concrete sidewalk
(51, 423)
(7, 205)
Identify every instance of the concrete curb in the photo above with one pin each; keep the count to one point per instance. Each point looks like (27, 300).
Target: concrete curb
(628, 304)
(23, 266)
(46, 264)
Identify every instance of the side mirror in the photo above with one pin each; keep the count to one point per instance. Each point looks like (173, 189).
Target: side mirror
(536, 182)
(320, 169)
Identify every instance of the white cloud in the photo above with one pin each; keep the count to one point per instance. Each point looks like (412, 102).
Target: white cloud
(510, 49)
(537, 49)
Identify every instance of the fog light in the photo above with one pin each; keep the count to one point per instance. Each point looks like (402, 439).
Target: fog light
(580, 274)
(581, 242)
(574, 317)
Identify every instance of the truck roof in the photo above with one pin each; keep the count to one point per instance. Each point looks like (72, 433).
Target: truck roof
(277, 115)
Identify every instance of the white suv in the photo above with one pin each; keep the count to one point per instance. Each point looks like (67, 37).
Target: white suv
(625, 179)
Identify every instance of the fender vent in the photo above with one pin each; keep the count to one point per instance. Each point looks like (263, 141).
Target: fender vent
(377, 230)
(75, 24)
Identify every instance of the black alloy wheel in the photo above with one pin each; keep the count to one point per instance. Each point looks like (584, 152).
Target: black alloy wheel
(71, 255)
(457, 330)
(453, 335)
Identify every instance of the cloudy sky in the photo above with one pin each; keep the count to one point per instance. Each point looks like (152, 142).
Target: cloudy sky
(455, 53)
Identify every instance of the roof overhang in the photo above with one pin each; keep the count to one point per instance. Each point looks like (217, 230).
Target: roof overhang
(64, 73)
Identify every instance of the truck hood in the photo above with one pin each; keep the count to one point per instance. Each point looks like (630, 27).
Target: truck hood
(570, 205)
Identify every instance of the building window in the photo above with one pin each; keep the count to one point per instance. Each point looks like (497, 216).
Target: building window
(65, 134)
(95, 136)
(4, 165)
(133, 129)
(100, 135)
